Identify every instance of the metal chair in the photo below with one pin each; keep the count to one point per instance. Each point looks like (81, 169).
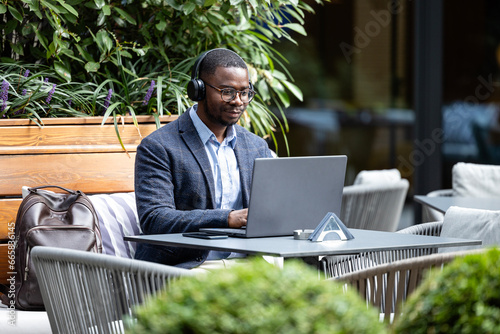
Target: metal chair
(335, 266)
(387, 286)
(374, 206)
(86, 292)
(468, 180)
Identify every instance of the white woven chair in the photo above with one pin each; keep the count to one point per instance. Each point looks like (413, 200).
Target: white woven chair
(336, 266)
(375, 200)
(375, 206)
(387, 286)
(468, 180)
(87, 292)
(458, 222)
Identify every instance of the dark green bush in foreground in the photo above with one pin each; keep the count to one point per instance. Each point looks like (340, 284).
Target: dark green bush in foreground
(257, 298)
(463, 298)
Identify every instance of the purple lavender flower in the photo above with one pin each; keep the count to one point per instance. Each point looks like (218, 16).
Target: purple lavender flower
(51, 93)
(149, 93)
(4, 95)
(24, 91)
(26, 73)
(108, 99)
(46, 80)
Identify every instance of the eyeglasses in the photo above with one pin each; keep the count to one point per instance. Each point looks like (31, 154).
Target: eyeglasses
(229, 94)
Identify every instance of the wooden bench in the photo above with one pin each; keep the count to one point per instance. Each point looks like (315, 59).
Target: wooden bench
(87, 157)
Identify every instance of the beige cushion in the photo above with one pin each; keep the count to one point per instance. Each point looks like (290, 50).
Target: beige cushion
(475, 224)
(474, 180)
(378, 176)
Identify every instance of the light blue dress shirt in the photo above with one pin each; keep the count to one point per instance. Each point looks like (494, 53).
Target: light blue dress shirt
(225, 171)
(225, 168)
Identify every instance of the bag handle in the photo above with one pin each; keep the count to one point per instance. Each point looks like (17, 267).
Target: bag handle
(34, 189)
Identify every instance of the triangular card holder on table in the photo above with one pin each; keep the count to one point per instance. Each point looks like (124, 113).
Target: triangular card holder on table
(330, 228)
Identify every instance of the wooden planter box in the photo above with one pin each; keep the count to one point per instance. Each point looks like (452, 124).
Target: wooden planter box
(75, 153)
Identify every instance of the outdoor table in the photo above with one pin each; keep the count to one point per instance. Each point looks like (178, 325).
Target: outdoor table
(442, 203)
(288, 247)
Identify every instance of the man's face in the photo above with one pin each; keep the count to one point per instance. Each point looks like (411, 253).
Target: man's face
(216, 111)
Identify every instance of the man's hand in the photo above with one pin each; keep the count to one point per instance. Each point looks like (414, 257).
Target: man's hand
(237, 218)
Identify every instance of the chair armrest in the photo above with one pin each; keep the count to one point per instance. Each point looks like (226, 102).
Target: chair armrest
(335, 266)
(430, 229)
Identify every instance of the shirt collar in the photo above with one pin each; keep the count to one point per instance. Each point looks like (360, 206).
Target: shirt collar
(206, 134)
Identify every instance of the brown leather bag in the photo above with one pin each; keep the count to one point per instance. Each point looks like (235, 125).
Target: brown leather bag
(46, 218)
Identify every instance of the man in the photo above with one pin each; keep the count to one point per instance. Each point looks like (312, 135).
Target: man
(196, 171)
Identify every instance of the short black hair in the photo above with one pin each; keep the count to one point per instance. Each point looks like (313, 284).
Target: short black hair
(220, 58)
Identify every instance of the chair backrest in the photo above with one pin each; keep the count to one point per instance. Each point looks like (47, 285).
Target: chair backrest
(475, 180)
(377, 176)
(468, 223)
(374, 206)
(387, 286)
(92, 293)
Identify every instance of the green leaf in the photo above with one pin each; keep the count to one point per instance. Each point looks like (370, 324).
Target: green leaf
(126, 16)
(294, 89)
(263, 90)
(99, 3)
(17, 48)
(209, 3)
(56, 9)
(101, 18)
(126, 54)
(92, 66)
(15, 13)
(68, 7)
(161, 26)
(295, 27)
(188, 8)
(106, 10)
(51, 50)
(34, 7)
(3, 9)
(26, 30)
(103, 40)
(174, 4)
(83, 54)
(119, 21)
(62, 71)
(10, 26)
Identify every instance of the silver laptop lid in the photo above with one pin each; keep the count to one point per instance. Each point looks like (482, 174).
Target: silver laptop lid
(294, 193)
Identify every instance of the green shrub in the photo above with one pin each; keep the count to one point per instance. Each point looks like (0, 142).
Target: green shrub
(462, 298)
(257, 298)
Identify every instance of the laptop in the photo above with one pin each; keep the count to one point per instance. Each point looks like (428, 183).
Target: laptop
(291, 193)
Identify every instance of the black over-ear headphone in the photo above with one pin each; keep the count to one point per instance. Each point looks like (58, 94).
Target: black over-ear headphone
(196, 86)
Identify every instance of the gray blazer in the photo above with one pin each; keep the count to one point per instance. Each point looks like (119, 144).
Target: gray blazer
(175, 189)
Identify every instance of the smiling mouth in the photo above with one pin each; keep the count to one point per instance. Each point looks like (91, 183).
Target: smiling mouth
(234, 112)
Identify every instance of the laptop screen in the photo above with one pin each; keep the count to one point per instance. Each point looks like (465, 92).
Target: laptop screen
(294, 193)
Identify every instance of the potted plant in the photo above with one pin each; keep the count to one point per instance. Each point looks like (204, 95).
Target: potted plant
(122, 47)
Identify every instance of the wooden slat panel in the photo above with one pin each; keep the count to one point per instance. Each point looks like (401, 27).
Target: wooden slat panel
(8, 212)
(90, 173)
(24, 140)
(18, 150)
(4, 264)
(86, 120)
